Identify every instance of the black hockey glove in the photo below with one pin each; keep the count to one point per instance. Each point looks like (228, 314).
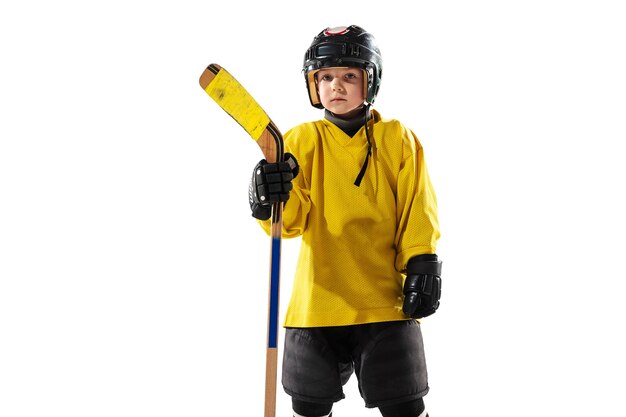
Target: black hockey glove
(271, 183)
(422, 287)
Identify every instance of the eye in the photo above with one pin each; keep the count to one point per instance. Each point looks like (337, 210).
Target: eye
(327, 77)
(351, 76)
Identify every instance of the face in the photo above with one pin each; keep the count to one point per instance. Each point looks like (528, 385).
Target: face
(341, 90)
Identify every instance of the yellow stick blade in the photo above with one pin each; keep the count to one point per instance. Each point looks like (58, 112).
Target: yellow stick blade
(230, 95)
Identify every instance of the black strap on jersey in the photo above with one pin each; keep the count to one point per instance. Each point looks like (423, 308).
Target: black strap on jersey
(359, 178)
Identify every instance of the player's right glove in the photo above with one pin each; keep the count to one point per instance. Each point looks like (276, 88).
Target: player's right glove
(271, 183)
(422, 287)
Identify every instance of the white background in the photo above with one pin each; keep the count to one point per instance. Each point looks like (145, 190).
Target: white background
(134, 281)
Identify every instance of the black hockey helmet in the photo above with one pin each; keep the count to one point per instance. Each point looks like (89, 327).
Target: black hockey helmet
(344, 46)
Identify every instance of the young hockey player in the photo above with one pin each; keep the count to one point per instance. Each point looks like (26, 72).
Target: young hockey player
(360, 197)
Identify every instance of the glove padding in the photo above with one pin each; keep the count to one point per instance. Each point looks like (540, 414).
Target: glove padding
(422, 287)
(270, 184)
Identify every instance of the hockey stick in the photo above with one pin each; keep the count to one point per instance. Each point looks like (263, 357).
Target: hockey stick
(239, 104)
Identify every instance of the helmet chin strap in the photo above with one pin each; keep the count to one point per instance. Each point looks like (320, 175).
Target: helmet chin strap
(368, 117)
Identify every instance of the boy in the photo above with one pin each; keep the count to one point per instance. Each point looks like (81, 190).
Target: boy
(359, 194)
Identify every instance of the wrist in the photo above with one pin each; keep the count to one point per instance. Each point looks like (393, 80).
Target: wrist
(427, 264)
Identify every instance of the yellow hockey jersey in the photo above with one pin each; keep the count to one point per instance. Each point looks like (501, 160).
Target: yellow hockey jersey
(356, 241)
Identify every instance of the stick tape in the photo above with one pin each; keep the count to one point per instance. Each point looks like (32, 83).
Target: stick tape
(238, 103)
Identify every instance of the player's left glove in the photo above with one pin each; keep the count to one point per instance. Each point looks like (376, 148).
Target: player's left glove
(422, 287)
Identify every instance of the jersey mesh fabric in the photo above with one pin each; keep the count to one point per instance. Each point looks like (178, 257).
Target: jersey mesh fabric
(356, 241)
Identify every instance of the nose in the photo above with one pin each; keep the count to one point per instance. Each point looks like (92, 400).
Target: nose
(336, 84)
